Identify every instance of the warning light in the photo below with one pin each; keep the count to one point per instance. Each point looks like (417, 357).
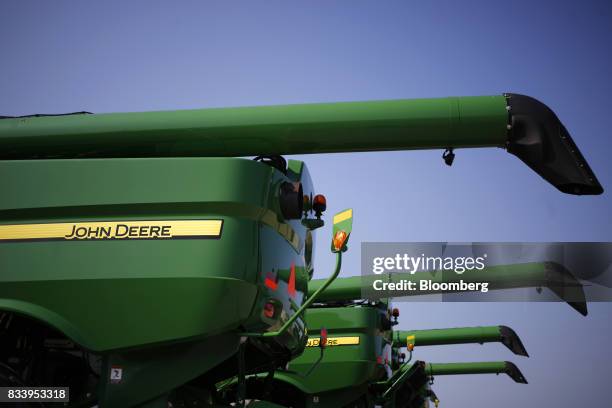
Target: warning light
(410, 346)
(291, 283)
(319, 204)
(339, 240)
(323, 338)
(395, 312)
(271, 281)
(269, 310)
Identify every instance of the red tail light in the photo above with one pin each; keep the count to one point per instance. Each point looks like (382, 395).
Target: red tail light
(269, 310)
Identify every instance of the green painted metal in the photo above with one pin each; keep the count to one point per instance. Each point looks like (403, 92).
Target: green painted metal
(129, 301)
(346, 226)
(157, 371)
(484, 367)
(263, 130)
(461, 335)
(118, 279)
(342, 366)
(311, 299)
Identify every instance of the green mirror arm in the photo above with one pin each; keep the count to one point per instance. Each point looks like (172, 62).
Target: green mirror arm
(305, 305)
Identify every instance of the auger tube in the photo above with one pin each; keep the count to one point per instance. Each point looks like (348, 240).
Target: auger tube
(522, 125)
(462, 335)
(524, 275)
(485, 367)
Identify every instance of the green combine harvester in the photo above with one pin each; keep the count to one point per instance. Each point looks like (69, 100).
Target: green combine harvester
(363, 361)
(143, 264)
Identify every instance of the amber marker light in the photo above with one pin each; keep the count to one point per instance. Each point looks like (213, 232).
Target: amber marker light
(319, 204)
(339, 240)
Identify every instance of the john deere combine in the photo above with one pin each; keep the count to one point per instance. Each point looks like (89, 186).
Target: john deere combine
(355, 358)
(142, 263)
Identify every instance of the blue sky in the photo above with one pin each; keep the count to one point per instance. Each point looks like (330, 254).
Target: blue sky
(111, 57)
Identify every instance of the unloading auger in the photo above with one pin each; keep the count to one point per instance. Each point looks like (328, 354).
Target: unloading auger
(461, 335)
(522, 125)
(141, 258)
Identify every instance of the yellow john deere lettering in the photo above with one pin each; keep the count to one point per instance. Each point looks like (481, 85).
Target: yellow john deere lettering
(158, 229)
(334, 341)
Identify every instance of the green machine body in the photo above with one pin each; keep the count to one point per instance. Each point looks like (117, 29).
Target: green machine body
(142, 243)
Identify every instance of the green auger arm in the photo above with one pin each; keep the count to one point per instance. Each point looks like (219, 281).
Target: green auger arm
(522, 125)
(462, 335)
(405, 374)
(485, 367)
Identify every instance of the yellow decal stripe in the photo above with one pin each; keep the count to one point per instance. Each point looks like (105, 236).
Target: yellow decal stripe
(334, 341)
(344, 215)
(158, 229)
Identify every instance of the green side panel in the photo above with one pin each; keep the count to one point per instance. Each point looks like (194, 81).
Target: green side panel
(263, 130)
(153, 372)
(342, 366)
(165, 186)
(113, 294)
(103, 314)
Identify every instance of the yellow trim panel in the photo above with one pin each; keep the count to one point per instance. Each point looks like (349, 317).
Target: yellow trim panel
(158, 229)
(344, 215)
(334, 341)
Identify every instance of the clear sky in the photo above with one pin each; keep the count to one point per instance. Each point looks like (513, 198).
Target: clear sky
(59, 56)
